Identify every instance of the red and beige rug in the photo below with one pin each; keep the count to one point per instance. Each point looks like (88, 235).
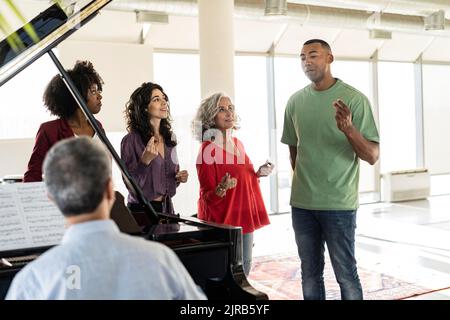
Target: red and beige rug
(279, 277)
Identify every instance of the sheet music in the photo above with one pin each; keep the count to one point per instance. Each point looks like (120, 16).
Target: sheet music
(28, 218)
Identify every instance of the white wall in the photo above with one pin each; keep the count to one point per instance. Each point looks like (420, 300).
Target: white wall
(123, 67)
(16, 153)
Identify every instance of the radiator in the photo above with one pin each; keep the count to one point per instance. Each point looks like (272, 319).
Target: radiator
(405, 185)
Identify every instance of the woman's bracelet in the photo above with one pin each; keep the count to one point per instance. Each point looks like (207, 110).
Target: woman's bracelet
(220, 188)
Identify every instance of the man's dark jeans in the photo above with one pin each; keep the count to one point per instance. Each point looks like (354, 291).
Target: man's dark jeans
(314, 228)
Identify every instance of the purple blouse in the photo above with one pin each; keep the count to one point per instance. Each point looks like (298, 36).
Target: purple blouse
(157, 178)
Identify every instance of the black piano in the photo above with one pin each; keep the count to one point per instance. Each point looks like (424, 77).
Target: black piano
(211, 252)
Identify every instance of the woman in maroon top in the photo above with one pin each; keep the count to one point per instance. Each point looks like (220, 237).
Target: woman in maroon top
(71, 120)
(229, 186)
(148, 149)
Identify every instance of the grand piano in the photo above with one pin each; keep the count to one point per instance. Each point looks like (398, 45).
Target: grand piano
(211, 252)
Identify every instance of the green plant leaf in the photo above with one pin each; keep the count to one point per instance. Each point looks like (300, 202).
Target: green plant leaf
(27, 27)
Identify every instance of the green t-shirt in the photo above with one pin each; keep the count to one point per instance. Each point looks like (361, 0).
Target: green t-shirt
(326, 175)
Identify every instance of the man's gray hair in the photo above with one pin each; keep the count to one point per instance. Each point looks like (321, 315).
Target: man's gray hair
(203, 122)
(76, 172)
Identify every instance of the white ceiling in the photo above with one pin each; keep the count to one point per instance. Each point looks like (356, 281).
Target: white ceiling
(111, 26)
(406, 7)
(404, 47)
(438, 50)
(355, 43)
(257, 34)
(179, 33)
(296, 35)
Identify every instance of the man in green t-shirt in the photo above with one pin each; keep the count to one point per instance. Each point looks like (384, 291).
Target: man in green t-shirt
(328, 126)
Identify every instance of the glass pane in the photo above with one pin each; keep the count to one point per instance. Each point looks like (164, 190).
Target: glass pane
(439, 184)
(21, 97)
(436, 99)
(289, 78)
(251, 105)
(362, 81)
(183, 89)
(397, 116)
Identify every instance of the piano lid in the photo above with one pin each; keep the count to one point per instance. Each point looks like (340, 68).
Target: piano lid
(22, 47)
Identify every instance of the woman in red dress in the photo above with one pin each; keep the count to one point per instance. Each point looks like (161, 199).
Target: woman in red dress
(229, 186)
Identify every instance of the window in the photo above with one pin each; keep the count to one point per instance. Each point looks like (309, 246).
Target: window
(362, 81)
(251, 105)
(22, 113)
(436, 101)
(179, 75)
(289, 78)
(21, 97)
(397, 116)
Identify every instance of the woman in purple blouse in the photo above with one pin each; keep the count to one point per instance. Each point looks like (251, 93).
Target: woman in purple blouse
(148, 150)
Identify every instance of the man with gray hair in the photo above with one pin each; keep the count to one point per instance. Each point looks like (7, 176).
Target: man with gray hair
(95, 260)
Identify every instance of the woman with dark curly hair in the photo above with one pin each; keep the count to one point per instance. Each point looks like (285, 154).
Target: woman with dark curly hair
(148, 149)
(71, 120)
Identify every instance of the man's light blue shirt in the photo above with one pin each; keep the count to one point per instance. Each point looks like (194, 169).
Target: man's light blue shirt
(96, 261)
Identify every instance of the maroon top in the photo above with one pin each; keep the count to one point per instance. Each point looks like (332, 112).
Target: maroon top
(157, 178)
(48, 134)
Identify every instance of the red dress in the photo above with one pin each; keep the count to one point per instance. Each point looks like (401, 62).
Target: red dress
(242, 206)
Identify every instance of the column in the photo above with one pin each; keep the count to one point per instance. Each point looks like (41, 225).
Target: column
(216, 43)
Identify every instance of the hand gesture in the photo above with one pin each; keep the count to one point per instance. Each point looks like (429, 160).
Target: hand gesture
(343, 116)
(225, 184)
(182, 176)
(265, 169)
(228, 181)
(150, 151)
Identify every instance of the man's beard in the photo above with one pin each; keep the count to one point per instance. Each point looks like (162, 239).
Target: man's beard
(315, 76)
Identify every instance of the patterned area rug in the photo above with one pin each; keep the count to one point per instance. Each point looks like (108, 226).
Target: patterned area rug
(279, 277)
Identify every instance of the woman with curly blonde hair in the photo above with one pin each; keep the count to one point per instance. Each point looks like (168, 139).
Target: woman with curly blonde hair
(229, 186)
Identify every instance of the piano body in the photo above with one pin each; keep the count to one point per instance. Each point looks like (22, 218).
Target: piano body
(210, 252)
